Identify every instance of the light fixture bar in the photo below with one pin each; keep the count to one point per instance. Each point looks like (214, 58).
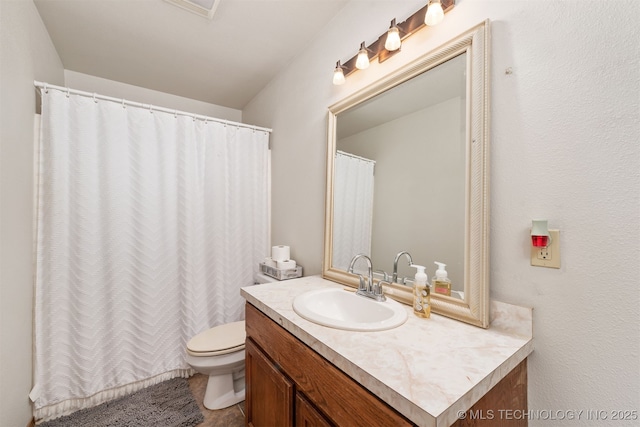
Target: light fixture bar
(408, 27)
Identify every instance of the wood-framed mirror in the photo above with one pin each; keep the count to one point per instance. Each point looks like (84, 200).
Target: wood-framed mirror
(407, 170)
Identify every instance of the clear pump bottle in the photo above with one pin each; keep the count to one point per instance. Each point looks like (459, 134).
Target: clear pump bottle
(440, 282)
(421, 293)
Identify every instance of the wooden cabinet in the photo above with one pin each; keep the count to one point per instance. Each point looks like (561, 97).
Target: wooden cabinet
(505, 405)
(289, 384)
(270, 396)
(301, 385)
(269, 393)
(307, 415)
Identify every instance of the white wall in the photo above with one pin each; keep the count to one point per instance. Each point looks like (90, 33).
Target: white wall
(27, 54)
(112, 88)
(564, 146)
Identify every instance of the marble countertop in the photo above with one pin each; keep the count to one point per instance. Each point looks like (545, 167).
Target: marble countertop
(427, 369)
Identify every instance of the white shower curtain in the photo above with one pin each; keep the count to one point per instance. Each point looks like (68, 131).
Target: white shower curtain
(352, 208)
(148, 224)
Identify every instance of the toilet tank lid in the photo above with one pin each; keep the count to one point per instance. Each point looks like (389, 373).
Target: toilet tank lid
(218, 338)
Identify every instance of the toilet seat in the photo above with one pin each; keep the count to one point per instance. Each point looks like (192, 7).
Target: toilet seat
(219, 340)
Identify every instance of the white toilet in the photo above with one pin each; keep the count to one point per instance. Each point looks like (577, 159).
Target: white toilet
(219, 353)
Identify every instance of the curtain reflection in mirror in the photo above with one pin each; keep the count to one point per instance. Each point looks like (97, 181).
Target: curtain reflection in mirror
(353, 209)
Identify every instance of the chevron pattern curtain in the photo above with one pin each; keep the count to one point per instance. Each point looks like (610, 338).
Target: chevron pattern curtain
(148, 225)
(352, 208)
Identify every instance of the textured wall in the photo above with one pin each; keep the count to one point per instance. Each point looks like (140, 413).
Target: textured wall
(116, 89)
(27, 55)
(564, 146)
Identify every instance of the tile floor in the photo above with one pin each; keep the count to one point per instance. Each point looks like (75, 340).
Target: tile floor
(228, 417)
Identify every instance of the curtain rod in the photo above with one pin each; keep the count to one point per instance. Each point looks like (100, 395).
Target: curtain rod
(47, 86)
(354, 156)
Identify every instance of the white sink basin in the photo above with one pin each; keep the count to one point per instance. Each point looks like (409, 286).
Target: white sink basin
(341, 309)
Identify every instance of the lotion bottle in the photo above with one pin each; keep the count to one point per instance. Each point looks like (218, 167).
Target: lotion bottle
(440, 282)
(421, 293)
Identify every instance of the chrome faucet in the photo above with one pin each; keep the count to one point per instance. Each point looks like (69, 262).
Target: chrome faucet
(368, 290)
(394, 278)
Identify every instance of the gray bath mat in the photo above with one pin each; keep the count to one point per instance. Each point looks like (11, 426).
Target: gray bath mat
(168, 404)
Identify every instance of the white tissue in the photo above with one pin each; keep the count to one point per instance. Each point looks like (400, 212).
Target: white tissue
(280, 253)
(286, 264)
(269, 262)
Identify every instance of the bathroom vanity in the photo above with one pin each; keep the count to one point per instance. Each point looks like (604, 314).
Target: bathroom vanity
(426, 372)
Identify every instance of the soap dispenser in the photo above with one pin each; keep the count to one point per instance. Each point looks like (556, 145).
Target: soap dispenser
(440, 282)
(421, 293)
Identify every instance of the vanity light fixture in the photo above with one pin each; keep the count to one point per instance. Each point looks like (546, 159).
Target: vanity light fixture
(338, 74)
(363, 57)
(540, 237)
(393, 37)
(388, 44)
(434, 14)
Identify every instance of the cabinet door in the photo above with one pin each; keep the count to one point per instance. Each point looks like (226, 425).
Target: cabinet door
(269, 394)
(336, 395)
(307, 415)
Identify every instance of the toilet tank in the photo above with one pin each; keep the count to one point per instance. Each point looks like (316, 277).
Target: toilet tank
(263, 278)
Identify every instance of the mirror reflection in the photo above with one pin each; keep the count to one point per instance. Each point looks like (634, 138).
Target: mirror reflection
(400, 176)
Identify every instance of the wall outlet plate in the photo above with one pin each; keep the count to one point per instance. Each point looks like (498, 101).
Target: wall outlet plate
(549, 256)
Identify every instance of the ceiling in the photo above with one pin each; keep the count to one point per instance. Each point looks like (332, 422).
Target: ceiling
(445, 81)
(153, 44)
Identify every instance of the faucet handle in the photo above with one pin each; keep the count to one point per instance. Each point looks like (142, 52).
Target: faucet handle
(384, 274)
(379, 292)
(362, 286)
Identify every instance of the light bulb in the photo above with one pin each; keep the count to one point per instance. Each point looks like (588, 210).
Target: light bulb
(434, 14)
(338, 75)
(393, 37)
(362, 61)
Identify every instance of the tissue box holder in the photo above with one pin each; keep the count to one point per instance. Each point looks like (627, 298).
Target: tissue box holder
(276, 273)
